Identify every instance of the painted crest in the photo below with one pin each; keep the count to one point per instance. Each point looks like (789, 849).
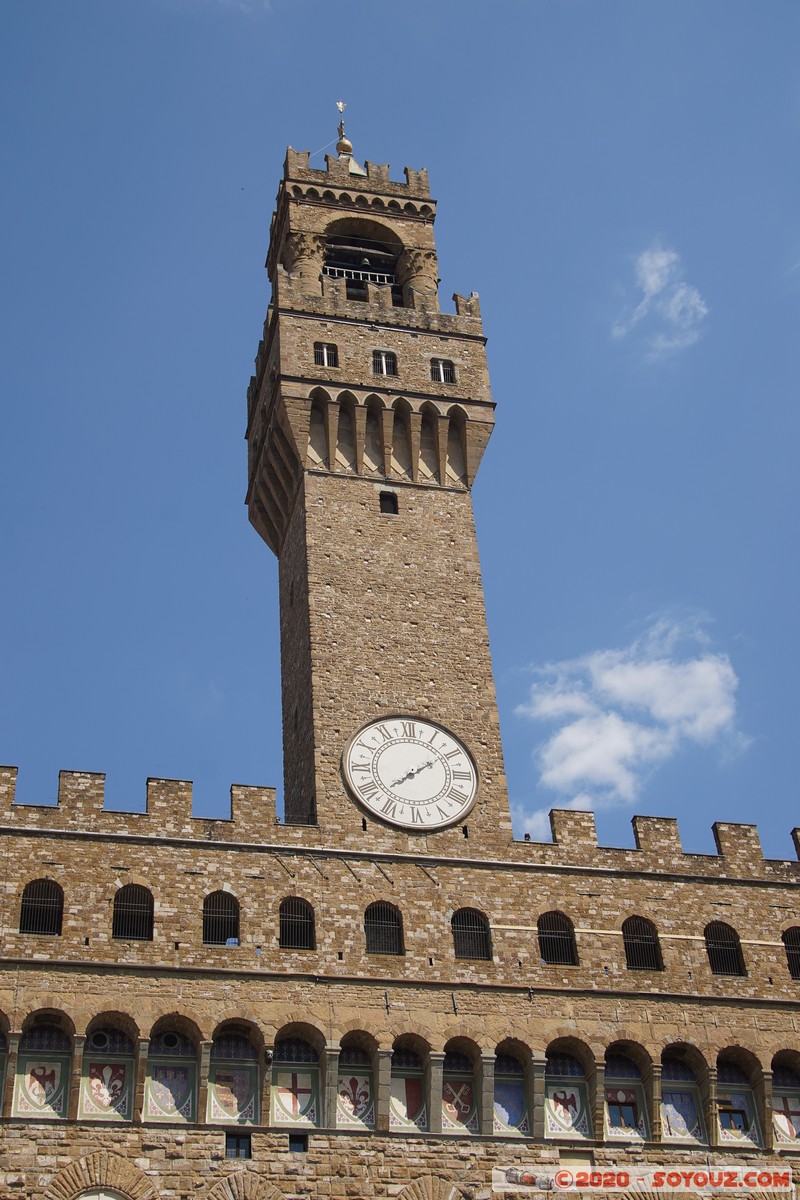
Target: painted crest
(170, 1092)
(565, 1110)
(407, 1104)
(105, 1091)
(458, 1105)
(232, 1094)
(510, 1109)
(786, 1117)
(40, 1089)
(680, 1117)
(295, 1097)
(354, 1101)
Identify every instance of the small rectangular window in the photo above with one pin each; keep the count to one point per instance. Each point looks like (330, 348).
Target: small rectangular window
(238, 1145)
(298, 1143)
(325, 354)
(389, 503)
(384, 362)
(442, 371)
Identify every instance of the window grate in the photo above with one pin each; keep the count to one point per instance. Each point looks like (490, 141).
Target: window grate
(133, 914)
(220, 919)
(724, 949)
(791, 940)
(294, 1050)
(557, 940)
(442, 371)
(471, 938)
(640, 939)
(238, 1145)
(297, 925)
(326, 354)
(46, 1037)
(42, 909)
(384, 362)
(383, 929)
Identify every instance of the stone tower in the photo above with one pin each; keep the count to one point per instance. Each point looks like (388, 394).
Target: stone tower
(367, 418)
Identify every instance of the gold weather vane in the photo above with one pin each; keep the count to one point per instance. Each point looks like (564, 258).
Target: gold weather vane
(344, 145)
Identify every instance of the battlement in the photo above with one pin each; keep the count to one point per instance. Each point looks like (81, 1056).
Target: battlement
(168, 812)
(296, 169)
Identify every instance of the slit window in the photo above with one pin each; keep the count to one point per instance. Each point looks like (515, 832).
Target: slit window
(442, 371)
(326, 354)
(42, 908)
(384, 362)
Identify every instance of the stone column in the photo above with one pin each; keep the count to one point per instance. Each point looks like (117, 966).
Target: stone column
(652, 1091)
(203, 1066)
(417, 271)
(12, 1058)
(75, 1073)
(265, 1086)
(414, 430)
(433, 1090)
(710, 1112)
(329, 1069)
(535, 1094)
(763, 1098)
(486, 1094)
(383, 1089)
(597, 1100)
(442, 426)
(142, 1050)
(303, 256)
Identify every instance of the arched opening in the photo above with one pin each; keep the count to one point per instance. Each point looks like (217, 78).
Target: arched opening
(642, 949)
(471, 935)
(401, 443)
(171, 1085)
(109, 1075)
(41, 1086)
(383, 929)
(133, 914)
(429, 446)
(724, 949)
(737, 1115)
(566, 1106)
(363, 252)
(345, 459)
(233, 1077)
(42, 908)
(786, 1098)
(317, 455)
(220, 919)
(295, 1083)
(456, 470)
(510, 1094)
(791, 942)
(297, 930)
(408, 1107)
(460, 1106)
(557, 940)
(355, 1092)
(373, 438)
(681, 1107)
(625, 1108)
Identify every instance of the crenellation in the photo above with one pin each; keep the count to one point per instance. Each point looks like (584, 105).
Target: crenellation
(739, 843)
(573, 829)
(659, 837)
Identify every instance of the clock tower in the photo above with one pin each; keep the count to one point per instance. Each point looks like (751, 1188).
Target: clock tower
(368, 415)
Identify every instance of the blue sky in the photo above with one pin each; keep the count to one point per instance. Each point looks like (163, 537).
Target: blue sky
(618, 181)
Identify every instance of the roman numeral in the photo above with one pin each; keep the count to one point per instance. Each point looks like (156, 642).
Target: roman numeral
(409, 729)
(416, 816)
(389, 808)
(368, 789)
(359, 766)
(454, 794)
(462, 775)
(453, 753)
(384, 732)
(433, 737)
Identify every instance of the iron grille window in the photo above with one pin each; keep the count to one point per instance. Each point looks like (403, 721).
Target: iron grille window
(42, 908)
(384, 362)
(559, 1065)
(442, 371)
(294, 1050)
(232, 1046)
(642, 951)
(220, 920)
(325, 354)
(383, 929)
(46, 1037)
(297, 925)
(508, 1064)
(238, 1145)
(791, 940)
(471, 937)
(724, 949)
(133, 913)
(354, 1056)
(557, 940)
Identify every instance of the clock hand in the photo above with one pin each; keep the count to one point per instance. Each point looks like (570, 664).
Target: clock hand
(412, 773)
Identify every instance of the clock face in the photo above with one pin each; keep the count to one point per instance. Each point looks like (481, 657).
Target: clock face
(411, 773)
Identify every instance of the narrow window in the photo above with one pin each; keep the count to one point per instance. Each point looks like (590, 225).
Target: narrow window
(133, 914)
(510, 1103)
(567, 1112)
(221, 920)
(557, 940)
(442, 371)
(791, 940)
(297, 925)
(326, 354)
(383, 929)
(724, 949)
(407, 1103)
(42, 907)
(295, 1083)
(626, 1114)
(640, 939)
(233, 1079)
(238, 1145)
(736, 1104)
(389, 503)
(384, 362)
(471, 937)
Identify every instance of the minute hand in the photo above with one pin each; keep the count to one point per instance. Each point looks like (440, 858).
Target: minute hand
(412, 773)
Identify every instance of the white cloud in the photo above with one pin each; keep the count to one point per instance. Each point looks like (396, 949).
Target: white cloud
(673, 311)
(619, 714)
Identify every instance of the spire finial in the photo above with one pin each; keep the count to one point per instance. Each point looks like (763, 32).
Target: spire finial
(344, 145)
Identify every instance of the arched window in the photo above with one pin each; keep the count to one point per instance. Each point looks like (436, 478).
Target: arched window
(786, 1100)
(383, 929)
(626, 1113)
(133, 913)
(471, 937)
(233, 1078)
(791, 940)
(221, 920)
(460, 1109)
(681, 1110)
(295, 1083)
(355, 1088)
(297, 925)
(510, 1101)
(373, 438)
(642, 951)
(42, 908)
(345, 456)
(317, 434)
(171, 1086)
(407, 1106)
(401, 444)
(736, 1108)
(456, 469)
(42, 1081)
(429, 446)
(557, 940)
(108, 1079)
(566, 1106)
(724, 949)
